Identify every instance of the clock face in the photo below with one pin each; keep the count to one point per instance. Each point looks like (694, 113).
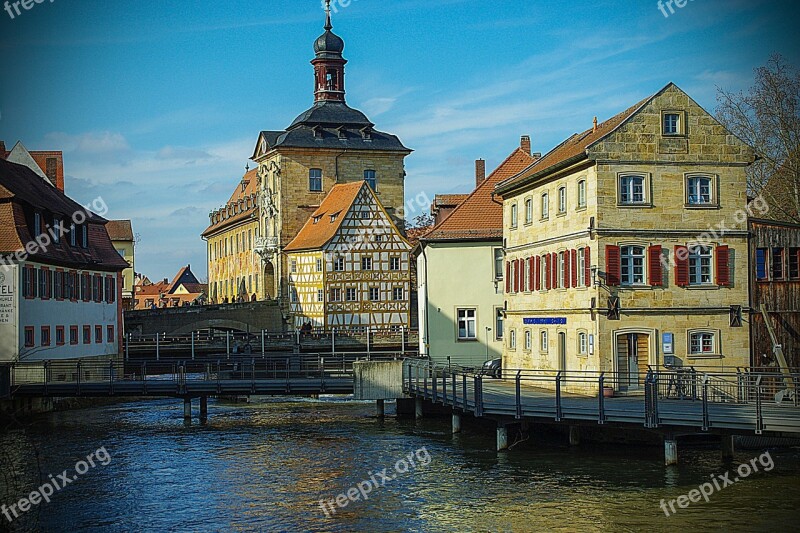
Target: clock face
(263, 145)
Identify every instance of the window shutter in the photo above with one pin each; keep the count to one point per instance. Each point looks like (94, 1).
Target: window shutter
(521, 274)
(681, 266)
(538, 278)
(587, 256)
(575, 272)
(508, 277)
(723, 266)
(567, 269)
(613, 266)
(548, 278)
(654, 267)
(531, 273)
(554, 271)
(516, 275)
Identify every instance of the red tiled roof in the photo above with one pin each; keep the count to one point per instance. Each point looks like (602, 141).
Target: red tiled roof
(338, 202)
(120, 230)
(479, 216)
(574, 147)
(251, 187)
(449, 200)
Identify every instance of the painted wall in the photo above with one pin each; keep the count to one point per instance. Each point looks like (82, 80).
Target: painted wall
(9, 312)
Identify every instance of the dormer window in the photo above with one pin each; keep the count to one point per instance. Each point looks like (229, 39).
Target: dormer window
(342, 133)
(37, 224)
(672, 123)
(317, 219)
(366, 133)
(317, 132)
(57, 225)
(333, 217)
(85, 235)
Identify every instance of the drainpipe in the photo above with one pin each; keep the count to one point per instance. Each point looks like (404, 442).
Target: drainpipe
(427, 321)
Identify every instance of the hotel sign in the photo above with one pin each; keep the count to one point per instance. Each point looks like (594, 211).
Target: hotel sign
(556, 321)
(8, 302)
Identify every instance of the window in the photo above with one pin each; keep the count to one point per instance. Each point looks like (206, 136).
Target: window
(702, 343)
(562, 200)
(37, 224)
(672, 123)
(498, 323)
(315, 180)
(319, 267)
(698, 190)
(98, 334)
(336, 295)
(371, 179)
(338, 264)
(512, 339)
(87, 335)
(514, 215)
(562, 270)
(526, 276)
(581, 194)
(73, 335)
(85, 236)
(777, 263)
(498, 263)
(543, 341)
(528, 211)
(57, 225)
(350, 294)
(294, 266)
(699, 265)
(365, 215)
(394, 263)
(320, 295)
(632, 265)
(466, 324)
(528, 342)
(545, 206)
(583, 343)
(397, 293)
(631, 190)
(761, 264)
(30, 340)
(59, 335)
(794, 263)
(374, 294)
(378, 238)
(109, 334)
(366, 263)
(73, 238)
(582, 267)
(293, 295)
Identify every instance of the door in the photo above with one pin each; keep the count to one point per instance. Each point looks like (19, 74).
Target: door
(632, 360)
(562, 351)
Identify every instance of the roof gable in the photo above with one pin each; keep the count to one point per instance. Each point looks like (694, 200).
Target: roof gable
(323, 224)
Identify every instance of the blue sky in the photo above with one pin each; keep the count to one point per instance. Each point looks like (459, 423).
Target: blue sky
(157, 104)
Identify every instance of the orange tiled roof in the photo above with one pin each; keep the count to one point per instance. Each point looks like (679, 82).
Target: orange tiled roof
(338, 202)
(479, 216)
(120, 230)
(575, 146)
(238, 194)
(452, 200)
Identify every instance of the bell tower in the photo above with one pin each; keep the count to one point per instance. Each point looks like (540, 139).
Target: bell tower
(328, 64)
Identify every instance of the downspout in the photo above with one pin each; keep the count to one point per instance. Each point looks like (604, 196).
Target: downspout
(427, 321)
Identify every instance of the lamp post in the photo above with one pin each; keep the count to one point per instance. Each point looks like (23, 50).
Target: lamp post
(488, 329)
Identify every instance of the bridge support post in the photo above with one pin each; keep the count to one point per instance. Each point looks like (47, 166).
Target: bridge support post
(502, 437)
(727, 448)
(574, 435)
(187, 410)
(456, 422)
(192, 345)
(417, 408)
(203, 409)
(158, 349)
(670, 450)
(381, 408)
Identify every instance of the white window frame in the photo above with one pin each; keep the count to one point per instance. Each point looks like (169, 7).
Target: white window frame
(402, 294)
(694, 188)
(679, 123)
(528, 342)
(468, 316)
(698, 269)
(699, 338)
(374, 294)
(512, 339)
(499, 259)
(514, 215)
(582, 267)
(545, 206)
(350, 291)
(626, 189)
(499, 323)
(338, 264)
(366, 262)
(583, 343)
(628, 261)
(562, 200)
(528, 210)
(581, 194)
(320, 294)
(544, 341)
(314, 177)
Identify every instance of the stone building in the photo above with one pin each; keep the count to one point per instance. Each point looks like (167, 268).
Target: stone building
(48, 164)
(329, 144)
(349, 265)
(121, 234)
(615, 256)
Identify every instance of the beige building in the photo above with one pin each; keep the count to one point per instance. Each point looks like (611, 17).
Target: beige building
(615, 260)
(121, 234)
(329, 144)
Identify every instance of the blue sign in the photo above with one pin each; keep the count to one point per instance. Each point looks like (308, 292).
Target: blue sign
(545, 321)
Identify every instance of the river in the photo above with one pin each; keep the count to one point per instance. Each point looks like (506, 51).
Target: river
(266, 465)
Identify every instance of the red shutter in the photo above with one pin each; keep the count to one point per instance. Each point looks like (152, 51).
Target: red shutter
(574, 268)
(567, 269)
(508, 277)
(531, 273)
(554, 271)
(681, 266)
(587, 266)
(654, 266)
(613, 266)
(548, 278)
(521, 274)
(723, 269)
(538, 277)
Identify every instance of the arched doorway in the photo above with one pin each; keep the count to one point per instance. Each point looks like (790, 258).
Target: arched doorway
(269, 280)
(633, 353)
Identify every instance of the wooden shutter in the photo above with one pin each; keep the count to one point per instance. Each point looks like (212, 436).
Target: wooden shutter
(575, 268)
(508, 277)
(587, 274)
(723, 266)
(548, 278)
(654, 266)
(554, 270)
(567, 269)
(613, 266)
(681, 266)
(538, 278)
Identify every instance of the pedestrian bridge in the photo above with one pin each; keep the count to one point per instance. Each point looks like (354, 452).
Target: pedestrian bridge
(242, 317)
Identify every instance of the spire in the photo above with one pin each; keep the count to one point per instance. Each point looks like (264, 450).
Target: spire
(329, 63)
(328, 25)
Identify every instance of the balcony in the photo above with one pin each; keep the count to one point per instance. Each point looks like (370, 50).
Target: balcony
(266, 246)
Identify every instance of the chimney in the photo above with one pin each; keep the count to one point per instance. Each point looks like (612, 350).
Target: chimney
(2, 149)
(480, 171)
(594, 128)
(525, 144)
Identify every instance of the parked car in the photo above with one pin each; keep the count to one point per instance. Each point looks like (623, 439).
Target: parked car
(492, 368)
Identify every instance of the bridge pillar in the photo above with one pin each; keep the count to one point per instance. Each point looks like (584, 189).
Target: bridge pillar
(417, 408)
(203, 409)
(187, 410)
(456, 422)
(381, 408)
(502, 437)
(727, 447)
(670, 450)
(574, 435)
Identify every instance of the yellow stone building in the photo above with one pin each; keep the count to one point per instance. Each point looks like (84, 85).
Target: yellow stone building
(626, 246)
(121, 234)
(349, 265)
(234, 267)
(329, 144)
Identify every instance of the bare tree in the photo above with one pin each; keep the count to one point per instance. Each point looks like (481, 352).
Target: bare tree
(767, 117)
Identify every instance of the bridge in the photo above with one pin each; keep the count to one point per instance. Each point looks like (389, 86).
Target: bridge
(670, 402)
(244, 317)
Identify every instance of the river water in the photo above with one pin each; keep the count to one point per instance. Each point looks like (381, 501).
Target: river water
(265, 466)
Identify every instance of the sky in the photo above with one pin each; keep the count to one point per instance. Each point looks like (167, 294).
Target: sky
(157, 104)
